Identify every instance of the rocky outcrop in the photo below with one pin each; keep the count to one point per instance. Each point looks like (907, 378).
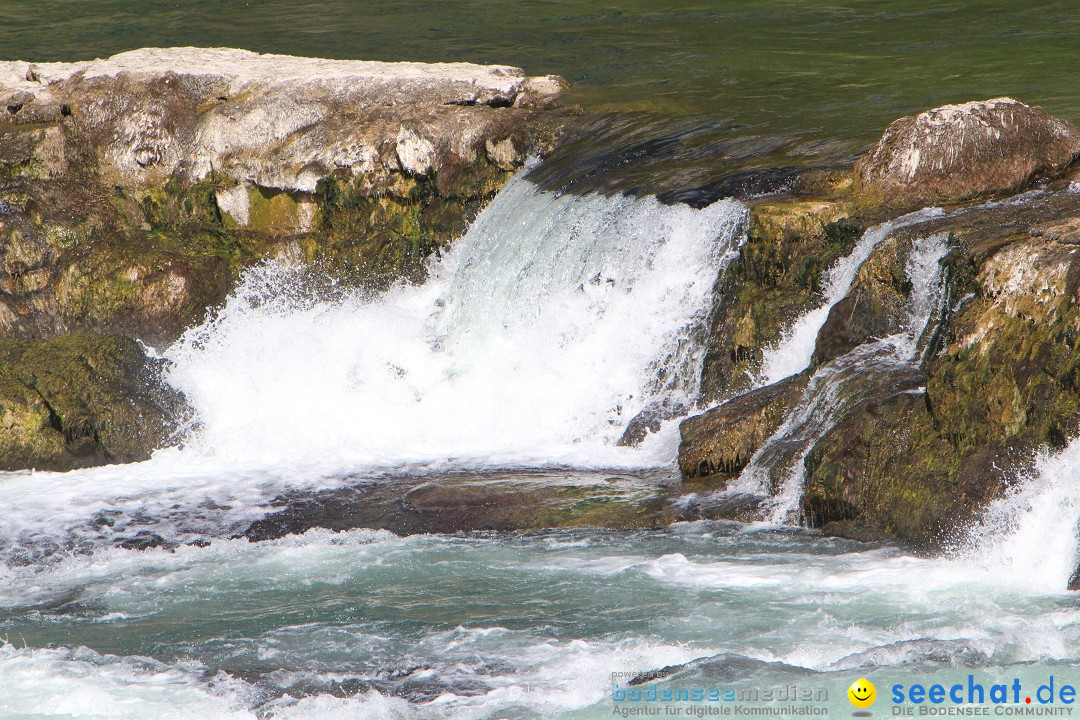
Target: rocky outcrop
(74, 401)
(917, 466)
(722, 440)
(957, 152)
(991, 380)
(792, 240)
(273, 121)
(134, 189)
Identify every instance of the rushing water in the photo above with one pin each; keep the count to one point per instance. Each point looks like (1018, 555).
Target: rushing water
(537, 339)
(368, 625)
(540, 336)
(552, 323)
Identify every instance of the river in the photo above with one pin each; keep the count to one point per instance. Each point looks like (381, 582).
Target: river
(537, 338)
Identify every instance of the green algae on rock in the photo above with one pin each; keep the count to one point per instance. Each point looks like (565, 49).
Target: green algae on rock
(80, 400)
(134, 189)
(791, 241)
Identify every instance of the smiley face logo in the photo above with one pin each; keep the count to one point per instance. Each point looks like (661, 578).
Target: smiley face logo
(862, 693)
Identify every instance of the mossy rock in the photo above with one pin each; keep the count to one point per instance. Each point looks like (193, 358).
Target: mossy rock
(378, 239)
(80, 400)
(1003, 381)
(791, 242)
(721, 441)
(884, 472)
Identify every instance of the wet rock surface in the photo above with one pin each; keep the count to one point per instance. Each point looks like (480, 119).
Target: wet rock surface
(917, 460)
(722, 440)
(76, 401)
(874, 307)
(468, 502)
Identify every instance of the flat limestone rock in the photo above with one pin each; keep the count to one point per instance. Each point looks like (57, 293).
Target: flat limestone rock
(957, 152)
(467, 502)
(135, 190)
(277, 121)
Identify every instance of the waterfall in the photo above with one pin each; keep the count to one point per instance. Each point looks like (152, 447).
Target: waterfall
(791, 354)
(540, 334)
(1029, 534)
(548, 326)
(777, 469)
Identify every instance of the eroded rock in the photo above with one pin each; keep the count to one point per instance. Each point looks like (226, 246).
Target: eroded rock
(134, 190)
(74, 401)
(723, 439)
(957, 152)
(277, 121)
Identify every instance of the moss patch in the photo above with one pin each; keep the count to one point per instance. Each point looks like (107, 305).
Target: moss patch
(75, 400)
(777, 277)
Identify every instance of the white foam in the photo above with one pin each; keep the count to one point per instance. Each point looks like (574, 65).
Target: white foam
(83, 684)
(537, 338)
(1029, 535)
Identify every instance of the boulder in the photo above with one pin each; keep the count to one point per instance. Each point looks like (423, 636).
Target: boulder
(276, 121)
(134, 190)
(722, 440)
(883, 472)
(75, 401)
(957, 152)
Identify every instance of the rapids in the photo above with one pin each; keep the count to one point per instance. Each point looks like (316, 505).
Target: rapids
(538, 337)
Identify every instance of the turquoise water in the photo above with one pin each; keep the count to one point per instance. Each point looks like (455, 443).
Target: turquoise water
(368, 625)
(516, 354)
